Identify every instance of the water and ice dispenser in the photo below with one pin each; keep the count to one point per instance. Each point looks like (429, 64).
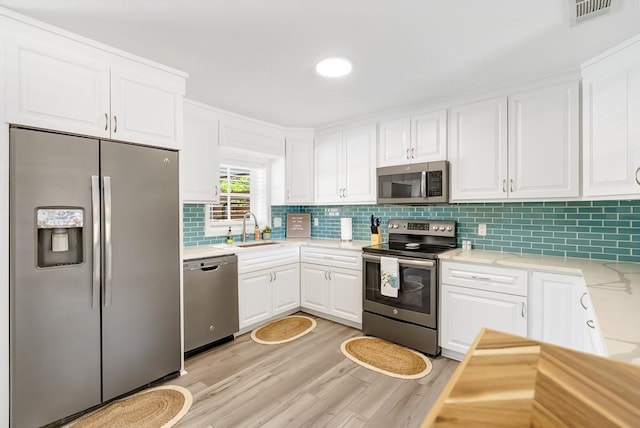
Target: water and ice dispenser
(59, 236)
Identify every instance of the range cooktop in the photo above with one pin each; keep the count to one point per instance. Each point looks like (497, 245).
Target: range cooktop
(423, 239)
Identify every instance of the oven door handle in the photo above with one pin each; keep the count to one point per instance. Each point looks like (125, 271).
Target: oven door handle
(405, 262)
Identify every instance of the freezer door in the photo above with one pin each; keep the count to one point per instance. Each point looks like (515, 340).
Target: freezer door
(55, 322)
(141, 298)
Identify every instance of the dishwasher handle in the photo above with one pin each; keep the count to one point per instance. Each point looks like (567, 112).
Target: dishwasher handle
(210, 264)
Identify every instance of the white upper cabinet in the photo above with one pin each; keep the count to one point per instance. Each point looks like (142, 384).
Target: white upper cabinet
(478, 150)
(299, 168)
(420, 138)
(251, 136)
(394, 146)
(357, 164)
(199, 159)
(55, 82)
(544, 143)
(146, 104)
(611, 129)
(429, 136)
(532, 155)
(345, 166)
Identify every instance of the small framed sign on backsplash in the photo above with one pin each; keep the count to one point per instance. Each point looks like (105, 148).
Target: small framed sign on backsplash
(298, 225)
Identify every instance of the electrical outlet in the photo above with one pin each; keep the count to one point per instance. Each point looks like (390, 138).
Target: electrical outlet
(482, 229)
(277, 222)
(316, 222)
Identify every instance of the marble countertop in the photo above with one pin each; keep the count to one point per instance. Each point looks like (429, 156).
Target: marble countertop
(190, 253)
(614, 288)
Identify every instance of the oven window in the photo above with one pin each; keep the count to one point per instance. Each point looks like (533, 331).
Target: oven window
(415, 288)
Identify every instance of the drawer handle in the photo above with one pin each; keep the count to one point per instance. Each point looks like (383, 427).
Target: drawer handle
(480, 278)
(581, 302)
(591, 324)
(328, 257)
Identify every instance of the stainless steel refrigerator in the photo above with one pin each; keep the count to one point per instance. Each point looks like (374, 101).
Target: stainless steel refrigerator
(94, 272)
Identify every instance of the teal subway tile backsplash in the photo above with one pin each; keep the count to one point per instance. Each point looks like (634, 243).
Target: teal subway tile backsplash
(605, 230)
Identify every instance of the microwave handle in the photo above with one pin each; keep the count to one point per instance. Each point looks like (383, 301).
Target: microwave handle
(423, 185)
(419, 263)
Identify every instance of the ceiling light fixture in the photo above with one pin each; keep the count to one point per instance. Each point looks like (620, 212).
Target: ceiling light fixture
(334, 67)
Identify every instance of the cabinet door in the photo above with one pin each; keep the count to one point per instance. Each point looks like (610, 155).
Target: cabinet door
(55, 83)
(199, 158)
(358, 164)
(465, 311)
(146, 105)
(313, 288)
(345, 294)
(478, 150)
(429, 137)
(299, 169)
(326, 152)
(555, 312)
(544, 143)
(611, 131)
(254, 297)
(394, 145)
(286, 288)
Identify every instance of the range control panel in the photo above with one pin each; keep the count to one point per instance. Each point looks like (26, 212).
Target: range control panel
(423, 227)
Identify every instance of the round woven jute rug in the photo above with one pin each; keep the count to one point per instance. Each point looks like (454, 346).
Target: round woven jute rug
(388, 358)
(283, 330)
(162, 406)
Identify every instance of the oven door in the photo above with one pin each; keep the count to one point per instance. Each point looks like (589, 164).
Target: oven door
(417, 297)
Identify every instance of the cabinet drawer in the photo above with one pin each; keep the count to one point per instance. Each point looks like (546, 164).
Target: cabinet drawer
(331, 257)
(253, 260)
(488, 278)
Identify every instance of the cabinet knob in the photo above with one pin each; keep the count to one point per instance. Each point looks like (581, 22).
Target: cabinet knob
(115, 123)
(413, 153)
(504, 186)
(106, 121)
(511, 185)
(407, 153)
(591, 324)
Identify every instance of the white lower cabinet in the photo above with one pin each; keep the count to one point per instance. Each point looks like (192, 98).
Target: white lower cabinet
(561, 313)
(266, 293)
(331, 283)
(477, 296)
(466, 311)
(268, 284)
(332, 291)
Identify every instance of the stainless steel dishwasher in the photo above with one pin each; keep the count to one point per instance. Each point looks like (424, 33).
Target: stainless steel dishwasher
(210, 302)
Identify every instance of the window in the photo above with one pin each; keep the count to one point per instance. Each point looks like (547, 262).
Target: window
(243, 188)
(235, 194)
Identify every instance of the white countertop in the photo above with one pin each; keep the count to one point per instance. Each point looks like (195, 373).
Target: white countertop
(614, 288)
(190, 253)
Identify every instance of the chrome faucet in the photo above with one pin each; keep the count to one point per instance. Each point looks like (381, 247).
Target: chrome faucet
(244, 224)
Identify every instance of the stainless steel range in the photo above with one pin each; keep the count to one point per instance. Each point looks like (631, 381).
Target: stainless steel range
(411, 318)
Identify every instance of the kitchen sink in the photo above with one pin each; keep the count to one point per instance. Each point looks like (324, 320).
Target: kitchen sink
(256, 244)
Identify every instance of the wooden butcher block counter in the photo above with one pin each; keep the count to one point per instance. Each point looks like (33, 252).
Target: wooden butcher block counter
(506, 380)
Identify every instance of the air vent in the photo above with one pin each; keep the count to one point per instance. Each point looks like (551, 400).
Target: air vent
(584, 10)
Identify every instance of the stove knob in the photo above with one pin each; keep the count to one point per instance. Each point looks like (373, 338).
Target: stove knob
(395, 312)
(395, 225)
(449, 228)
(436, 228)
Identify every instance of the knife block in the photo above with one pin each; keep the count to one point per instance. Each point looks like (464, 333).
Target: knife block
(376, 238)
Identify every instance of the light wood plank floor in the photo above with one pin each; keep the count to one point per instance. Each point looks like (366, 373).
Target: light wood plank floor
(304, 383)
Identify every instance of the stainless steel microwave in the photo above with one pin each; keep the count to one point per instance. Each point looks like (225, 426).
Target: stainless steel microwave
(418, 183)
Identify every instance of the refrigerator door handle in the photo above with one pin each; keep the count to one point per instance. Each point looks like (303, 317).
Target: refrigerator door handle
(95, 208)
(108, 254)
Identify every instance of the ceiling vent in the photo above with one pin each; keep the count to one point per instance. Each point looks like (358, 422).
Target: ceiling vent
(584, 10)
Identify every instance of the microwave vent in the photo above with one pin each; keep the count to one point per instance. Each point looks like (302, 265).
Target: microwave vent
(584, 10)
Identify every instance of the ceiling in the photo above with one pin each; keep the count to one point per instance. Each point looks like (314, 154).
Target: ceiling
(257, 57)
